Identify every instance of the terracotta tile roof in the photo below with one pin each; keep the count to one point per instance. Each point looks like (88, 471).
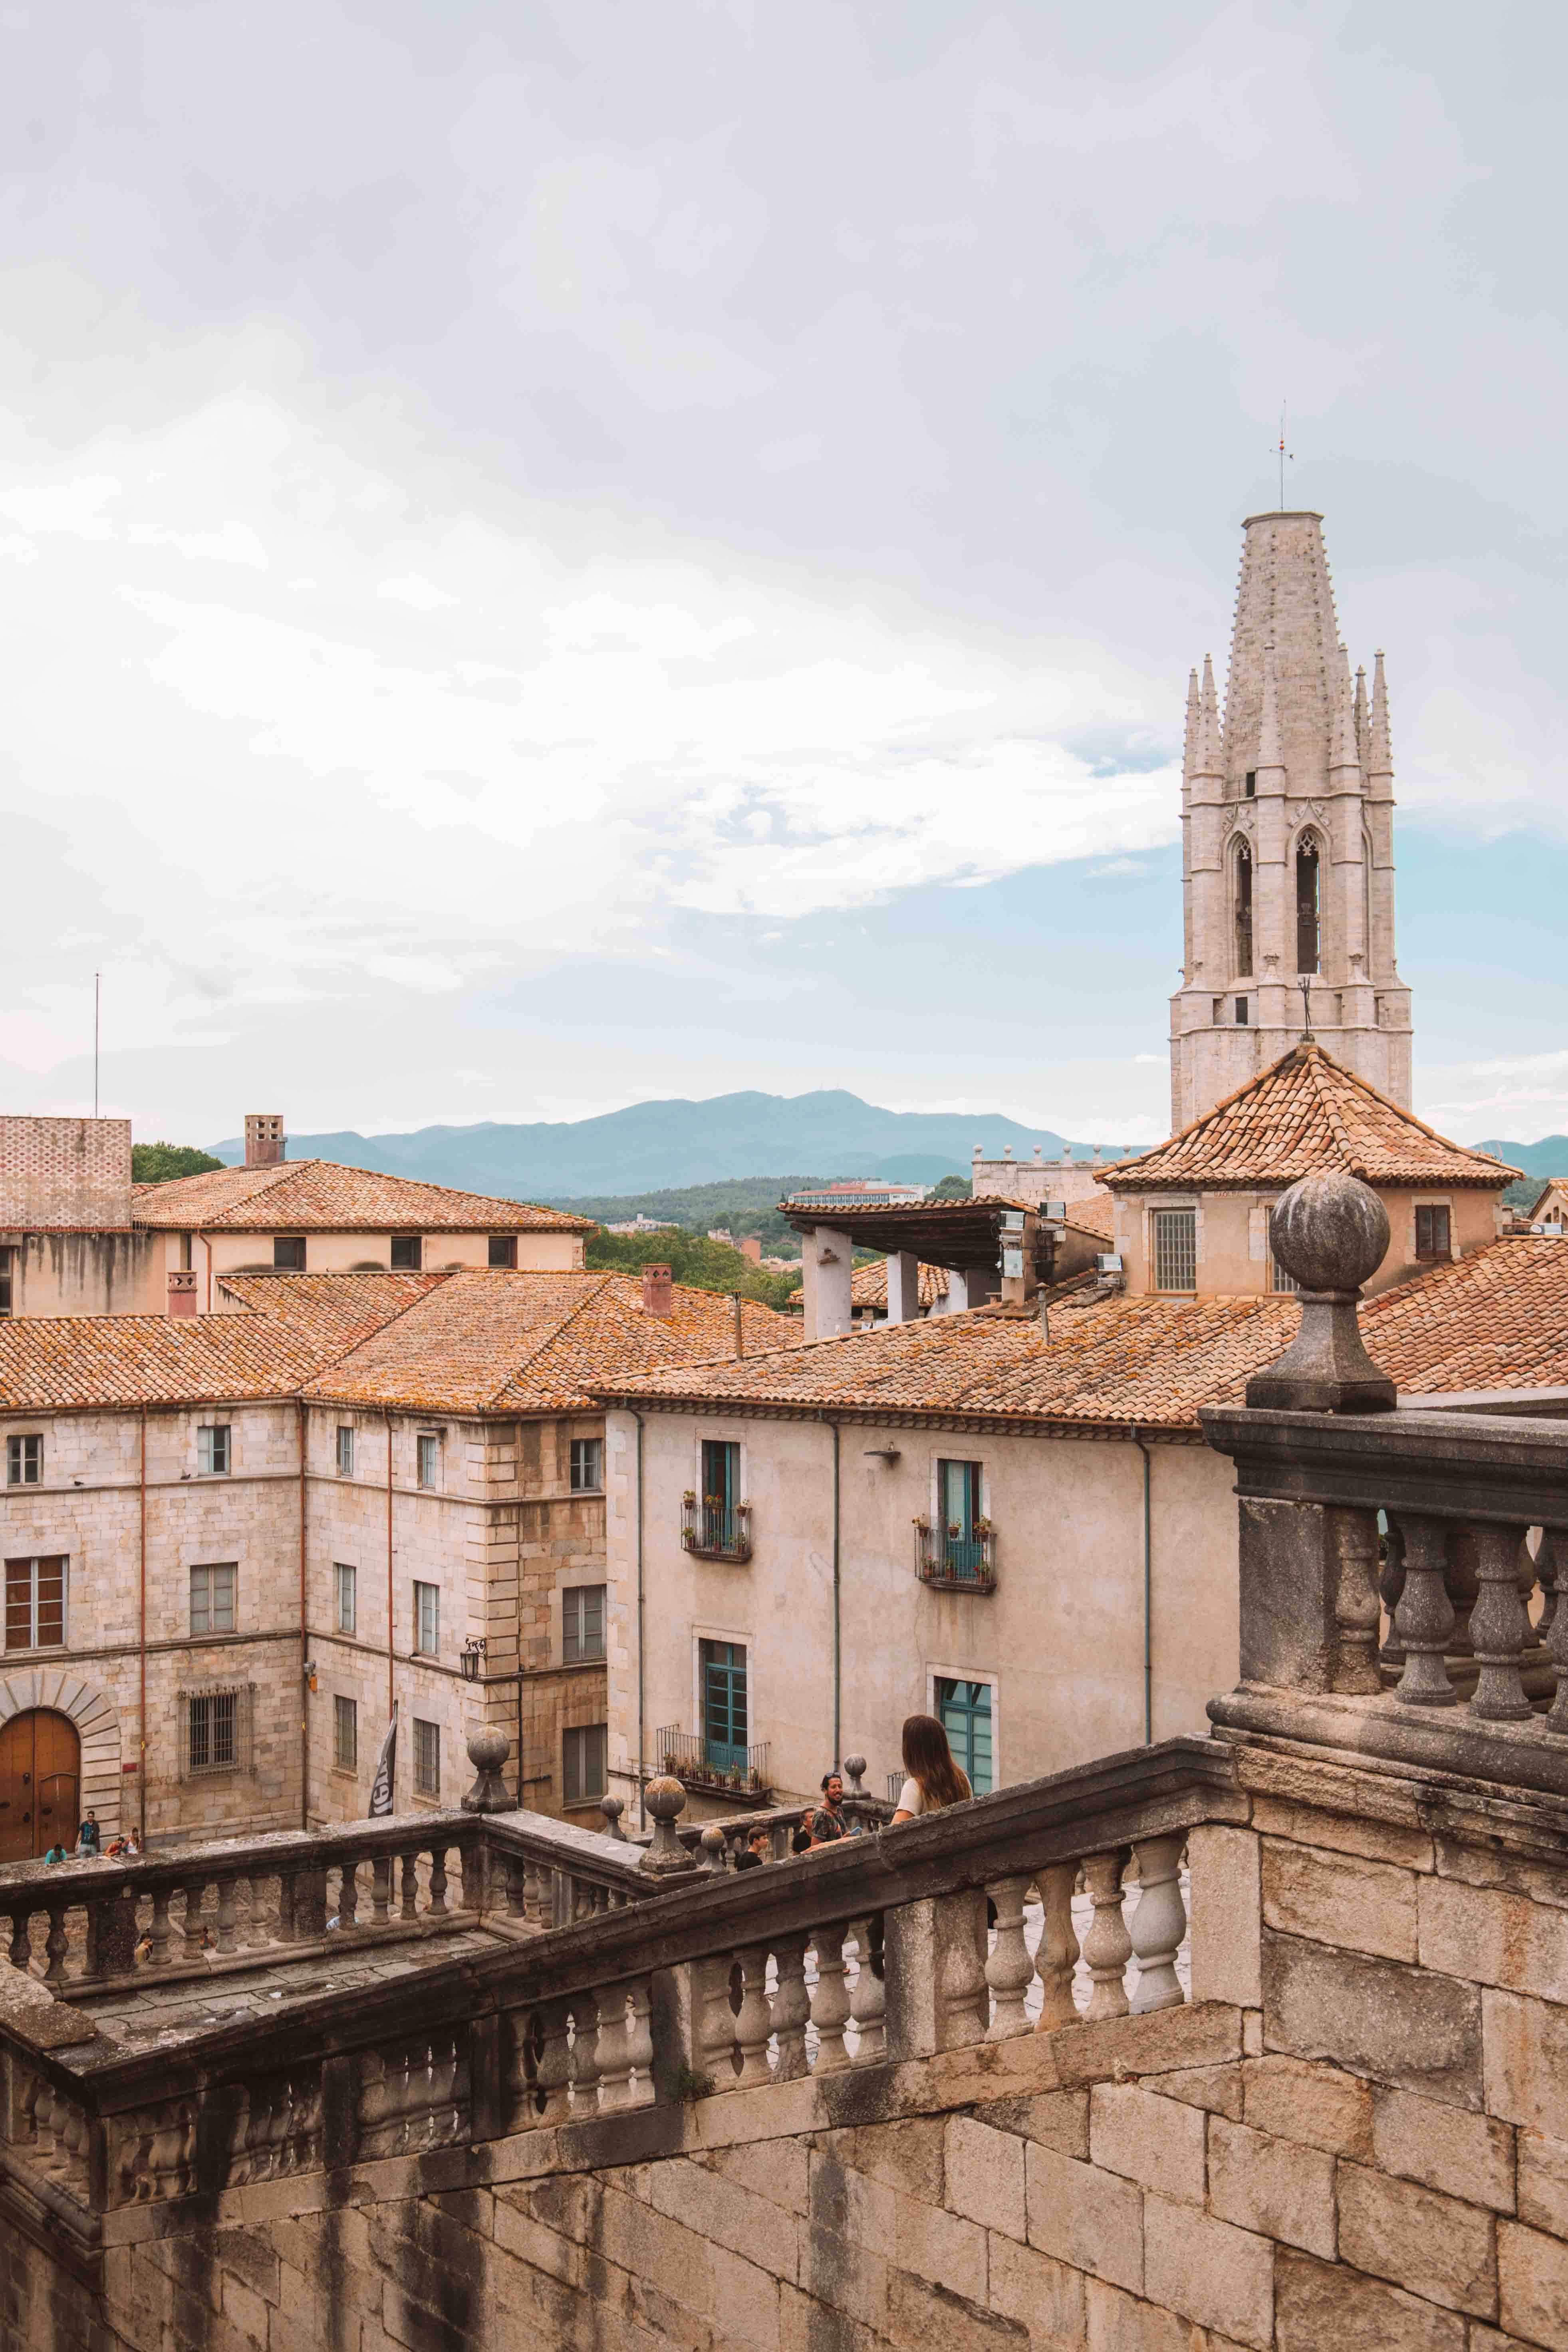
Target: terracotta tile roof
(330, 1311)
(323, 1196)
(53, 1364)
(1498, 1319)
(1306, 1112)
(868, 1287)
(523, 1343)
(1097, 1217)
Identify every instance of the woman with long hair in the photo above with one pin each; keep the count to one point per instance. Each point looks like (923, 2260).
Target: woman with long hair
(933, 1779)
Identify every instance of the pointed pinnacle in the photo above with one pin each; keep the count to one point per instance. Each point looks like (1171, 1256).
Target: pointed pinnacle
(1269, 754)
(1209, 760)
(1190, 740)
(1380, 758)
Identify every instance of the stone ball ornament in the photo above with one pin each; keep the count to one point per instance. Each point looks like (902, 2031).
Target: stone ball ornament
(1330, 1232)
(488, 1751)
(665, 1799)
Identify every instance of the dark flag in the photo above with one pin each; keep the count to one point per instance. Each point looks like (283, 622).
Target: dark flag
(385, 1769)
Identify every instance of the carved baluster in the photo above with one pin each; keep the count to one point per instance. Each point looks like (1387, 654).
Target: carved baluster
(348, 1895)
(402, 2065)
(159, 1933)
(262, 1929)
(44, 2124)
(640, 2090)
(27, 2109)
(1461, 1585)
(57, 1944)
(1425, 1618)
(1354, 1534)
(792, 2006)
(441, 2089)
(1546, 1577)
(287, 1931)
(166, 2154)
(191, 1926)
(1500, 1627)
(381, 1890)
(1009, 1970)
(584, 2067)
(408, 1880)
(516, 1887)
(374, 2106)
(963, 1995)
(611, 2061)
(538, 1902)
(21, 1953)
(1056, 1959)
(829, 2001)
(1107, 1947)
(437, 1903)
(228, 1891)
(869, 1996)
(548, 2060)
(1159, 1923)
(754, 2019)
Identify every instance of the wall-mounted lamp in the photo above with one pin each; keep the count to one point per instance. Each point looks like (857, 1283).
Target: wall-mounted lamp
(472, 1657)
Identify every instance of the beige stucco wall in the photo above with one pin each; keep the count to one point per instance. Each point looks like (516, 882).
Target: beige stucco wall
(343, 1253)
(85, 1273)
(1233, 1254)
(1062, 1638)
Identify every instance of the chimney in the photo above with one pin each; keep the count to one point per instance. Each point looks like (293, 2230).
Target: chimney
(265, 1143)
(657, 1291)
(181, 1294)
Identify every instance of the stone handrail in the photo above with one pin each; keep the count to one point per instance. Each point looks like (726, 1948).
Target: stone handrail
(875, 1948)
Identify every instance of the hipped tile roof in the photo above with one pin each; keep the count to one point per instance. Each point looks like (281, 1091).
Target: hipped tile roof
(1498, 1319)
(1304, 1113)
(55, 1363)
(323, 1196)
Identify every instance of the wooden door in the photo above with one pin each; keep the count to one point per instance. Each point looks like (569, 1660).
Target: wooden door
(40, 1784)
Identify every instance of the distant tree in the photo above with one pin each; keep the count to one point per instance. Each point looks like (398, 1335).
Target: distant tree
(156, 1163)
(691, 1258)
(951, 1187)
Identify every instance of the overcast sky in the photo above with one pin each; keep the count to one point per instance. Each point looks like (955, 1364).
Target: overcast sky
(554, 554)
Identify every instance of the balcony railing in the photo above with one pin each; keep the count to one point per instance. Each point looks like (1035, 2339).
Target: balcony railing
(713, 1766)
(955, 1562)
(716, 1530)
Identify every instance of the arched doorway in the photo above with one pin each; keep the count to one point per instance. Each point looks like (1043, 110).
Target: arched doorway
(40, 1784)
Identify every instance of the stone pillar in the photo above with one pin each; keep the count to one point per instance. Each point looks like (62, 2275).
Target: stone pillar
(828, 1259)
(903, 1287)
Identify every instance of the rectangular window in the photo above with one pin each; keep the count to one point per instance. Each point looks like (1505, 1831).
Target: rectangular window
(427, 1758)
(964, 1710)
(345, 1453)
(503, 1251)
(212, 1732)
(959, 1507)
(587, 1464)
(427, 1619)
(1252, 783)
(347, 1582)
(584, 1756)
(36, 1604)
(1241, 1015)
(1278, 1277)
(6, 1263)
(23, 1462)
(212, 1450)
(346, 1735)
(427, 1457)
(726, 1720)
(582, 1622)
(407, 1253)
(1432, 1233)
(1175, 1249)
(289, 1253)
(212, 1599)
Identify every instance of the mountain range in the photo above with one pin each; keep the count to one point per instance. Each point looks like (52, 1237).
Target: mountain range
(1547, 1157)
(651, 1145)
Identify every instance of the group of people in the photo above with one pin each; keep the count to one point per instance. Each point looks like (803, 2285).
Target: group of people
(933, 1777)
(89, 1845)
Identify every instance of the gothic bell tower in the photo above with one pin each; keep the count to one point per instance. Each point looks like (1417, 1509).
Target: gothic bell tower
(1287, 843)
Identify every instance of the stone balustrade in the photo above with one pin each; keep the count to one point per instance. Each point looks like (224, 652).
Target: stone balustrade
(646, 1992)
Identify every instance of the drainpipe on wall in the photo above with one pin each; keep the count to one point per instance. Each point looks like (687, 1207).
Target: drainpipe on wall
(142, 1660)
(1148, 1597)
(642, 1776)
(304, 1644)
(838, 1650)
(390, 1663)
(208, 1247)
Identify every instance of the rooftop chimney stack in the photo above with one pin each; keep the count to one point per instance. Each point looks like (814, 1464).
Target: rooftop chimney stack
(265, 1143)
(657, 1291)
(182, 1296)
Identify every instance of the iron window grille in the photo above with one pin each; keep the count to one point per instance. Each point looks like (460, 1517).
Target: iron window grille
(36, 1603)
(956, 1563)
(582, 1622)
(427, 1758)
(216, 1720)
(213, 1593)
(426, 1620)
(588, 1466)
(346, 1735)
(1175, 1249)
(345, 1452)
(346, 1579)
(215, 1455)
(23, 1462)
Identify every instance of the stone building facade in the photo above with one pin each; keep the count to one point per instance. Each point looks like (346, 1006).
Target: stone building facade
(1287, 843)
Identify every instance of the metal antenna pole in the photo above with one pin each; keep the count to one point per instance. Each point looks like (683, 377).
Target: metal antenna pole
(97, 994)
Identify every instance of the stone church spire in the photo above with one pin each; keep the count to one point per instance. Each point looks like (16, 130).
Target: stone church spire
(1288, 864)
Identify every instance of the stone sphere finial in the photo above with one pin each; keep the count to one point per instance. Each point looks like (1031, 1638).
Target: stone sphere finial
(715, 1847)
(854, 1766)
(1330, 1232)
(488, 1751)
(612, 1808)
(665, 1798)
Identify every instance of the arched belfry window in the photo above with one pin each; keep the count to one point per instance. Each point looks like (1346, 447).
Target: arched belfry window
(1309, 927)
(1242, 892)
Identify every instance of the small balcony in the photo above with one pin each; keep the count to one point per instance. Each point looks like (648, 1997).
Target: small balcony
(712, 1767)
(951, 1562)
(711, 1529)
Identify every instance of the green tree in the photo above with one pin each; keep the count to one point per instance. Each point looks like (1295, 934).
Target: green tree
(156, 1163)
(691, 1258)
(951, 1187)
